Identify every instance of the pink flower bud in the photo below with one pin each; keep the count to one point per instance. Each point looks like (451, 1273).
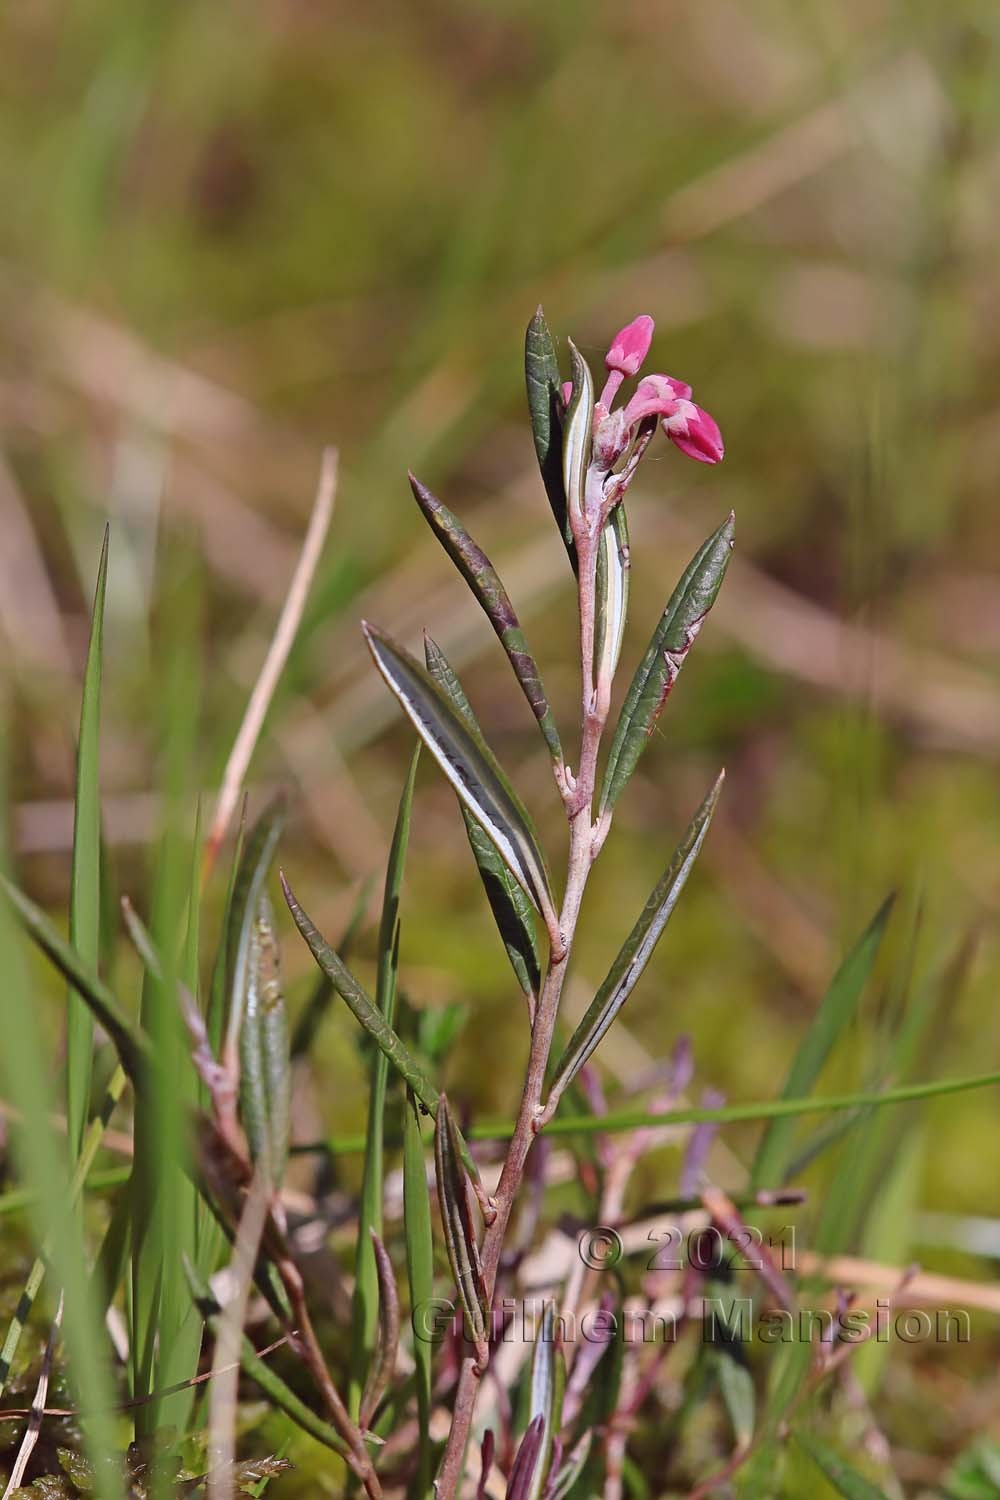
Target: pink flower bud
(630, 346)
(694, 432)
(567, 391)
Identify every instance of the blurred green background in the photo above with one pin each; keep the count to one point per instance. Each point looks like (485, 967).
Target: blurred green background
(234, 233)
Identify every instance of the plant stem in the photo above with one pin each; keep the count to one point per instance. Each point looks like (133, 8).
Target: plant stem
(579, 799)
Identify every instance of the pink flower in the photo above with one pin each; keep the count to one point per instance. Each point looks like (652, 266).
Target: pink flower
(689, 427)
(630, 346)
(695, 433)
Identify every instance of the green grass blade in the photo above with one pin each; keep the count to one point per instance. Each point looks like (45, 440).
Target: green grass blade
(838, 1006)
(131, 1043)
(836, 1470)
(420, 1273)
(659, 668)
(365, 1306)
(484, 582)
(85, 880)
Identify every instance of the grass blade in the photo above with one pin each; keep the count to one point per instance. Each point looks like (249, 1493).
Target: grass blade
(420, 1274)
(484, 581)
(459, 1231)
(131, 1043)
(510, 906)
(545, 407)
(85, 880)
(836, 1470)
(471, 767)
(364, 1313)
(838, 1006)
(658, 670)
(636, 951)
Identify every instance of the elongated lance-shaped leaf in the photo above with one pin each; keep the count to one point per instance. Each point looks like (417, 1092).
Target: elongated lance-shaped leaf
(387, 1344)
(255, 862)
(839, 1004)
(836, 1470)
(611, 599)
(471, 767)
(658, 670)
(85, 879)
(484, 581)
(459, 1230)
(637, 949)
(131, 1043)
(365, 1306)
(577, 434)
(548, 1382)
(527, 1462)
(263, 1374)
(420, 1274)
(319, 1001)
(572, 1468)
(510, 906)
(361, 1004)
(545, 406)
(265, 1065)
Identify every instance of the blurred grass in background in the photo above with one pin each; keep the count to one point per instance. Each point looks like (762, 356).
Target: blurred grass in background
(234, 233)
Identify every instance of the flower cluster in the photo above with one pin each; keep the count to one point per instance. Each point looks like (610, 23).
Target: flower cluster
(657, 398)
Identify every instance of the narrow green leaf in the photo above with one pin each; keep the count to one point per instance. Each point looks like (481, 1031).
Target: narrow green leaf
(265, 1065)
(547, 1384)
(387, 1343)
(728, 1114)
(484, 581)
(85, 877)
(739, 1397)
(318, 1003)
(611, 598)
(251, 878)
(361, 1005)
(839, 1004)
(545, 407)
(420, 1274)
(658, 670)
(637, 948)
(572, 1468)
(364, 1313)
(131, 1044)
(577, 434)
(510, 906)
(263, 1375)
(845, 1480)
(456, 1220)
(470, 766)
(215, 1015)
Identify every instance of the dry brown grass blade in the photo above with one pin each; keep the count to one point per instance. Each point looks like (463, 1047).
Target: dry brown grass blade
(274, 662)
(222, 1391)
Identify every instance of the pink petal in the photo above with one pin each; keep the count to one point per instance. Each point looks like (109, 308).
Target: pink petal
(695, 433)
(630, 346)
(656, 396)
